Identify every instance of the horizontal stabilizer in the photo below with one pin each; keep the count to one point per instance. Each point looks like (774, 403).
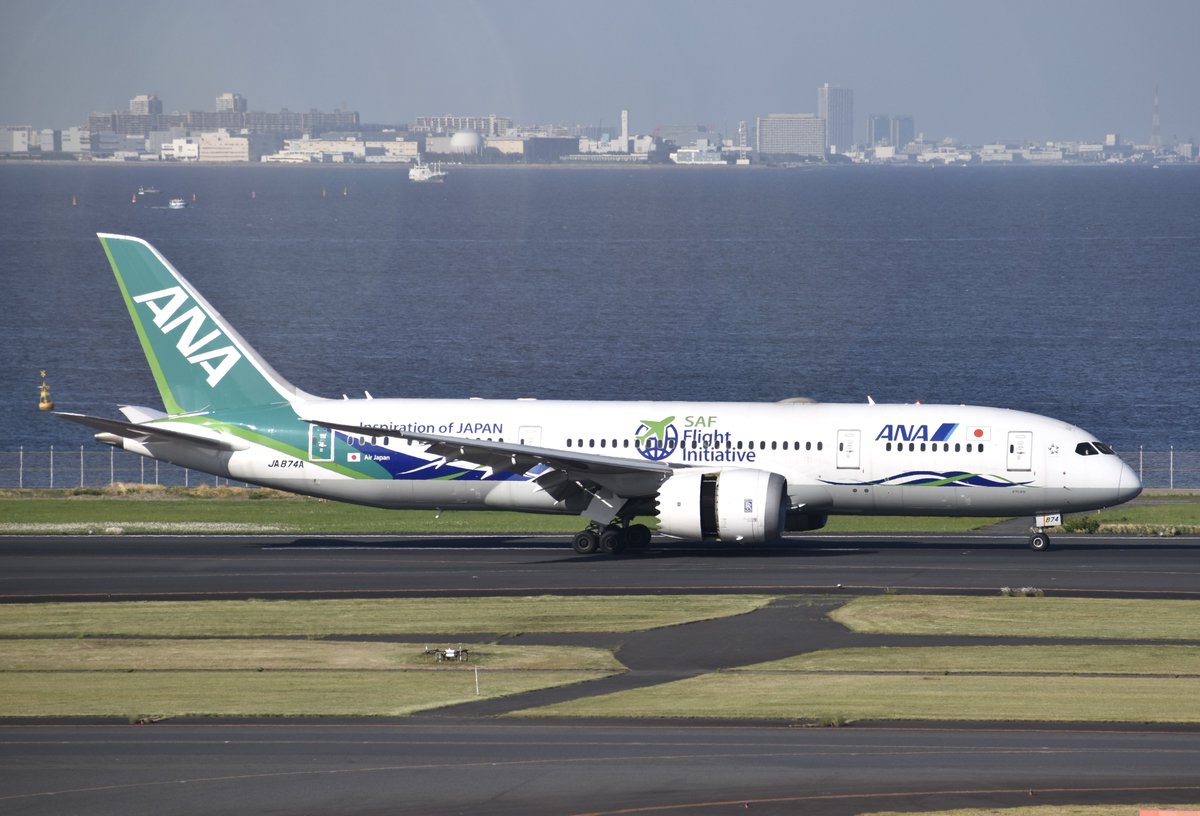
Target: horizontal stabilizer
(154, 433)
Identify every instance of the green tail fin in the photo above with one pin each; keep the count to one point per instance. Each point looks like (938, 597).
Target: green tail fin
(199, 362)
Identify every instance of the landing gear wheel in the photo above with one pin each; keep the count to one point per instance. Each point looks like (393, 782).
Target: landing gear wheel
(637, 537)
(585, 542)
(612, 540)
(1039, 542)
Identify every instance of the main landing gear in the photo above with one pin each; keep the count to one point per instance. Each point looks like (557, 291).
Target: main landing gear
(611, 539)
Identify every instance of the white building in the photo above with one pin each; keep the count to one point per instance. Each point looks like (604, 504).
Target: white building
(702, 153)
(221, 146)
(796, 134)
(76, 140)
(184, 148)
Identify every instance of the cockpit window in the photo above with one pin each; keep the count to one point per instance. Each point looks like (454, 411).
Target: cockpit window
(1100, 446)
(1086, 449)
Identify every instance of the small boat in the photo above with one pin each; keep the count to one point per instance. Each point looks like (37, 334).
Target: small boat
(426, 172)
(177, 204)
(148, 191)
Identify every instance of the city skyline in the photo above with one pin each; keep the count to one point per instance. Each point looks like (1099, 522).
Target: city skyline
(1037, 72)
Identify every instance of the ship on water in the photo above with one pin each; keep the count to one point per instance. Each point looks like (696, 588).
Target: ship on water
(427, 172)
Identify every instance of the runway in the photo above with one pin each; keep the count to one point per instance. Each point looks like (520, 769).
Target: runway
(470, 758)
(504, 768)
(96, 567)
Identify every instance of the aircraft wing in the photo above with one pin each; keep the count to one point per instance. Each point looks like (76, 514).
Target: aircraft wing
(565, 472)
(154, 433)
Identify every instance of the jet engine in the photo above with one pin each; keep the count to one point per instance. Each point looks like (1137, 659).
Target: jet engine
(728, 505)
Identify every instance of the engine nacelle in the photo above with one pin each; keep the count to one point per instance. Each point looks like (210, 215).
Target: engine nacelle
(726, 505)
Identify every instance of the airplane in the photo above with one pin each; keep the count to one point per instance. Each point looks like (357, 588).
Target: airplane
(709, 471)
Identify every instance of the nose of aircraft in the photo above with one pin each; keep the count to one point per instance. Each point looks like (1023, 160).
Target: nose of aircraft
(1128, 484)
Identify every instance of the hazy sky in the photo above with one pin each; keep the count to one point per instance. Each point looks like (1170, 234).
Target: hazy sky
(979, 71)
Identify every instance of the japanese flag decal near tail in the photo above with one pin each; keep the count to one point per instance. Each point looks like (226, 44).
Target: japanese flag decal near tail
(199, 361)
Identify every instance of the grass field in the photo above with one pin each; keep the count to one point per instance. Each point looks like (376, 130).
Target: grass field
(159, 678)
(379, 616)
(244, 658)
(1028, 660)
(1142, 682)
(176, 658)
(836, 698)
(325, 693)
(1101, 618)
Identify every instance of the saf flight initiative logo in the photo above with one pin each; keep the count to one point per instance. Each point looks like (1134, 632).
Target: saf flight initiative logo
(657, 440)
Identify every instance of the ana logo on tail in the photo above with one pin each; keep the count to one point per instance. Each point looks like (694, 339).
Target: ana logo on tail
(192, 322)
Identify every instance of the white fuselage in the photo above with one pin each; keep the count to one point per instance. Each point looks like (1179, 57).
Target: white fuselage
(868, 459)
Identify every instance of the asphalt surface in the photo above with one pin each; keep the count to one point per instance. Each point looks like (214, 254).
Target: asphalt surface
(96, 567)
(472, 759)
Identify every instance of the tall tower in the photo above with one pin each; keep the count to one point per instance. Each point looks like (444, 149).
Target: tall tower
(625, 130)
(835, 105)
(879, 126)
(1155, 123)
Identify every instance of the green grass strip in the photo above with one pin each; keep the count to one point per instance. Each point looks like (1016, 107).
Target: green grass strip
(850, 697)
(159, 654)
(383, 616)
(1129, 660)
(1023, 617)
(258, 694)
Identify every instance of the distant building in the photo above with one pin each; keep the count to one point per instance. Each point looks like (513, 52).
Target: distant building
(796, 134)
(835, 105)
(180, 149)
(50, 140)
(231, 103)
(76, 140)
(17, 138)
(879, 129)
(491, 125)
(145, 105)
(702, 153)
(224, 147)
(903, 131)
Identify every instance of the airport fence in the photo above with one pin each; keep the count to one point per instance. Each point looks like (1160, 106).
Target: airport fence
(84, 467)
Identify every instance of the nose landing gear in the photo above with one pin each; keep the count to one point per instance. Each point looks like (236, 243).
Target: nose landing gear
(1039, 541)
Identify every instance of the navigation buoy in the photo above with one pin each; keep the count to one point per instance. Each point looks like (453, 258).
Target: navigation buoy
(44, 401)
(322, 192)
(74, 201)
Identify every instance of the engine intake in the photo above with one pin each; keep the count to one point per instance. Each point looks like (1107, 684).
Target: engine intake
(727, 505)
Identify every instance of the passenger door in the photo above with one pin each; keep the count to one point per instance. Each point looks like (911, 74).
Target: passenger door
(1020, 450)
(847, 449)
